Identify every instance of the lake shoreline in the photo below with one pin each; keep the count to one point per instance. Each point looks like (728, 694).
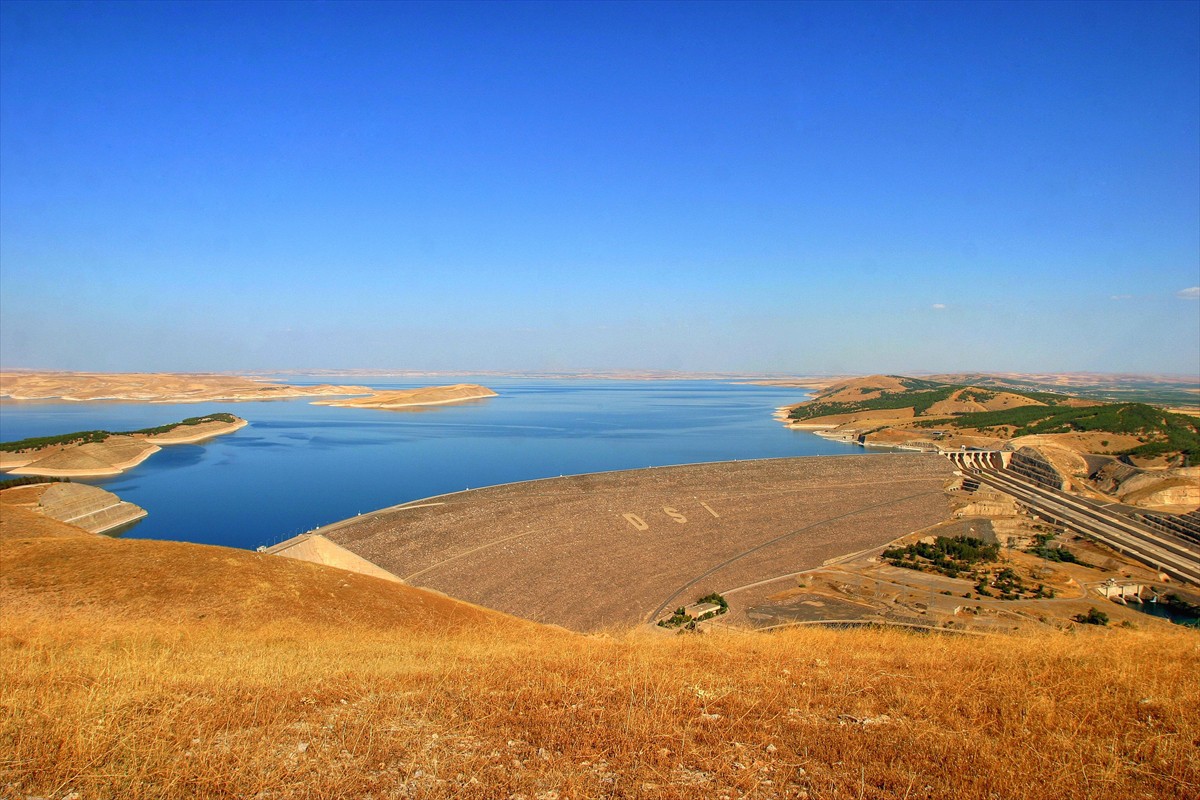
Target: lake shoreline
(25, 464)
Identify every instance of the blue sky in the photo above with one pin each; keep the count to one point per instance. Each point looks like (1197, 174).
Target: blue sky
(782, 187)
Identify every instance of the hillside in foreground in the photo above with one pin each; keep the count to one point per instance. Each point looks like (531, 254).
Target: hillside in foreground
(167, 670)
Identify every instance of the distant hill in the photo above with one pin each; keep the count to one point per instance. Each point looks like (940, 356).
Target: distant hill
(1174, 391)
(152, 387)
(406, 398)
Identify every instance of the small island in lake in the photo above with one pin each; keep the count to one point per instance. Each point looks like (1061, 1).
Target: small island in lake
(406, 398)
(100, 453)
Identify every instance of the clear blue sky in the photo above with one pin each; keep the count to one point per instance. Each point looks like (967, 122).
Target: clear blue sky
(782, 187)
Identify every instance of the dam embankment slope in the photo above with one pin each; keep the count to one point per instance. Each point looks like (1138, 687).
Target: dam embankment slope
(609, 549)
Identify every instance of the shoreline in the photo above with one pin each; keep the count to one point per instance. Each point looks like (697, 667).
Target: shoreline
(166, 438)
(114, 469)
(153, 445)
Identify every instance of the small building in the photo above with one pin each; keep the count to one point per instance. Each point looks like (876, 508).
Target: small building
(698, 610)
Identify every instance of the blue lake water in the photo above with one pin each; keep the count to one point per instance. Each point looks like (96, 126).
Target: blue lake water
(1167, 611)
(298, 466)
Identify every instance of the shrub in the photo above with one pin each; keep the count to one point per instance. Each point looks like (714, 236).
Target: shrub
(1093, 617)
(30, 480)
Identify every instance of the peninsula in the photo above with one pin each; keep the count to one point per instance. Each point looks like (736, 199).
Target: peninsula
(154, 387)
(406, 398)
(88, 454)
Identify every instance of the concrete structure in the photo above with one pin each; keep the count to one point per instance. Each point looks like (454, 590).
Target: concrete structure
(1121, 592)
(623, 548)
(979, 458)
(1127, 534)
(698, 610)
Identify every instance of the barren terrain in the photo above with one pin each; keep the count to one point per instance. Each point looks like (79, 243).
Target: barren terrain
(407, 398)
(158, 387)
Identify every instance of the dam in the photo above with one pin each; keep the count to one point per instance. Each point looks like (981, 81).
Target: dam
(611, 549)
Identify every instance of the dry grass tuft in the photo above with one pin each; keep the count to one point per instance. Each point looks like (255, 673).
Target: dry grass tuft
(159, 670)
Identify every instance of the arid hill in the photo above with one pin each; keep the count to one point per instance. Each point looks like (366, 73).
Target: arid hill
(164, 670)
(157, 387)
(407, 398)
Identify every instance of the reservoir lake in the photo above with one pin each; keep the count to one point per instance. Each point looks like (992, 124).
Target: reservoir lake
(297, 466)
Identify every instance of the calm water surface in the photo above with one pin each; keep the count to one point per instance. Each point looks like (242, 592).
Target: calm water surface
(298, 466)
(1179, 616)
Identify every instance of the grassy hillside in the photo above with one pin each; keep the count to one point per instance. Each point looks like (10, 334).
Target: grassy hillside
(919, 400)
(161, 670)
(1161, 432)
(919, 395)
(1164, 431)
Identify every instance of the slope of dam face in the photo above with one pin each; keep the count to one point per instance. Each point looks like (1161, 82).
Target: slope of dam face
(615, 549)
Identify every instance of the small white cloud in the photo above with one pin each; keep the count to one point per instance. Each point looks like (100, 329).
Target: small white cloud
(1190, 293)
(1122, 297)
(939, 306)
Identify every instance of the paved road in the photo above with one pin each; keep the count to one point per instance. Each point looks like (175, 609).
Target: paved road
(1176, 557)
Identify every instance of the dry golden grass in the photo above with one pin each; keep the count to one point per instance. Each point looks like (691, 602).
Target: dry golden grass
(21, 521)
(197, 688)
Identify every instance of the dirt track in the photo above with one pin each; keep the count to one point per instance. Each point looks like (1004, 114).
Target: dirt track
(591, 551)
